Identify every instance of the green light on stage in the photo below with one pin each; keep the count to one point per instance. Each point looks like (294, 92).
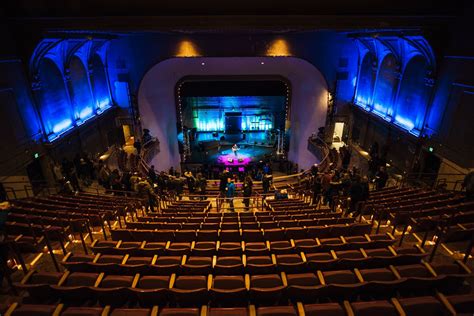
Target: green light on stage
(430, 149)
(36, 155)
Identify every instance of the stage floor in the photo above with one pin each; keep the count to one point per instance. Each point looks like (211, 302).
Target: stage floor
(247, 154)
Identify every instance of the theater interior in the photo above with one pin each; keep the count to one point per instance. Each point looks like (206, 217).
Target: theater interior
(219, 158)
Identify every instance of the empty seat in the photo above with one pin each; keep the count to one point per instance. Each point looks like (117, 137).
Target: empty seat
(208, 232)
(274, 234)
(252, 235)
(165, 265)
(173, 311)
(425, 305)
(190, 290)
(229, 265)
(303, 287)
(76, 288)
(260, 264)
(197, 265)
(256, 248)
(184, 235)
(326, 309)
(152, 290)
(376, 308)
(295, 233)
(277, 311)
(228, 311)
(229, 290)
(204, 248)
(31, 309)
(113, 289)
(230, 248)
(178, 248)
(266, 288)
(130, 311)
(290, 263)
(282, 247)
(229, 235)
(38, 284)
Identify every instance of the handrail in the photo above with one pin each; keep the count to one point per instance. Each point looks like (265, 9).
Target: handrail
(142, 163)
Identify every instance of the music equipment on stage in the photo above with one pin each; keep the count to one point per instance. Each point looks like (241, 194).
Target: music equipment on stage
(240, 160)
(231, 160)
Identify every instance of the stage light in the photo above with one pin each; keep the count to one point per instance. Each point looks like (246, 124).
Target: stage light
(187, 49)
(279, 47)
(262, 63)
(203, 64)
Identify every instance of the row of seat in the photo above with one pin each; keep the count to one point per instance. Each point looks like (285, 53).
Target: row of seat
(400, 218)
(237, 235)
(438, 305)
(239, 217)
(283, 221)
(237, 290)
(139, 240)
(409, 197)
(262, 263)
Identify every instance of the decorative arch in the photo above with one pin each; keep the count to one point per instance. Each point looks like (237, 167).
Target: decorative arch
(70, 85)
(367, 75)
(400, 99)
(81, 93)
(54, 104)
(99, 82)
(413, 96)
(386, 85)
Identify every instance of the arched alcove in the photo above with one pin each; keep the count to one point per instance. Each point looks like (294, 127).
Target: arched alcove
(99, 83)
(54, 106)
(365, 87)
(413, 94)
(385, 85)
(83, 101)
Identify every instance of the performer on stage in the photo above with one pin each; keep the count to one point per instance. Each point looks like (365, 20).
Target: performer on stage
(235, 148)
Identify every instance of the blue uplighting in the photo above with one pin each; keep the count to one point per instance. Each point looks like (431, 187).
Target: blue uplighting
(86, 113)
(398, 93)
(68, 94)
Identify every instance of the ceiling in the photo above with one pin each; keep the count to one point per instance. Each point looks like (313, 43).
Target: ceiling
(220, 16)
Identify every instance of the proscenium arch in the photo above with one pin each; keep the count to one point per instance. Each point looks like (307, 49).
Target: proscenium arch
(157, 108)
(54, 104)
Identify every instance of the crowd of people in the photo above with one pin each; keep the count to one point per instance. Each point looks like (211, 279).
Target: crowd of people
(339, 181)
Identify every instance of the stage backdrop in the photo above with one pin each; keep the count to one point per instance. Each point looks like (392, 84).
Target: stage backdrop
(156, 98)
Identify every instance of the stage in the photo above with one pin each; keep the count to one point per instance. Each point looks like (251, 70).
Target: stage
(242, 157)
(220, 155)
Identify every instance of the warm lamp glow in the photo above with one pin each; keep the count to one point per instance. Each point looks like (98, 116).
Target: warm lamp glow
(279, 47)
(187, 49)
